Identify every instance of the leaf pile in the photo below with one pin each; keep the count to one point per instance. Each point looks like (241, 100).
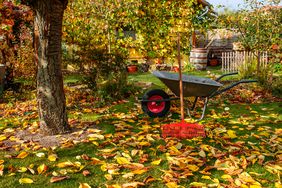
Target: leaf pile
(240, 150)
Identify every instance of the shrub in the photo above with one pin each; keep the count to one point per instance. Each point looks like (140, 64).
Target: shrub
(108, 77)
(276, 86)
(248, 68)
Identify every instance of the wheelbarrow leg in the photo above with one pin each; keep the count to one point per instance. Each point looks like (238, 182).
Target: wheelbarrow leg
(194, 103)
(203, 111)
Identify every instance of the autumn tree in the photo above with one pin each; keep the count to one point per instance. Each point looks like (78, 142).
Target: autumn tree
(48, 17)
(259, 24)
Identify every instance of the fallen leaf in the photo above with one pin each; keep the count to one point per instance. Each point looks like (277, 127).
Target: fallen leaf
(156, 162)
(122, 160)
(85, 173)
(202, 153)
(2, 137)
(1, 170)
(55, 179)
(22, 169)
(231, 134)
(25, 180)
(22, 155)
(52, 157)
(226, 177)
(193, 168)
(108, 176)
(171, 185)
(198, 184)
(132, 185)
(84, 185)
(42, 169)
(40, 154)
(65, 164)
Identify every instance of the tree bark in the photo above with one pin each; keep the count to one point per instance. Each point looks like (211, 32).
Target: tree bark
(47, 42)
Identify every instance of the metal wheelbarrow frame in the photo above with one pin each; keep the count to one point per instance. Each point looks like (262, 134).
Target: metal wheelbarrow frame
(156, 102)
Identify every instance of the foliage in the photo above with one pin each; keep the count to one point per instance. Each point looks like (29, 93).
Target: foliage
(259, 24)
(278, 67)
(103, 25)
(276, 86)
(248, 68)
(15, 38)
(108, 77)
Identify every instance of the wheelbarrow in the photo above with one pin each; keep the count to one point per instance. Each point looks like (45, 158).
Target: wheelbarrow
(156, 102)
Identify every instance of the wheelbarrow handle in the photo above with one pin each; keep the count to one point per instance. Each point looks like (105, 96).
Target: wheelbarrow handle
(224, 75)
(231, 86)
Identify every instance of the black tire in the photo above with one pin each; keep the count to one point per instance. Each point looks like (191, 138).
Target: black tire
(164, 106)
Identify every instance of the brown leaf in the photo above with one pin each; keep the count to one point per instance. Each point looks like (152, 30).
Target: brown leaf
(55, 179)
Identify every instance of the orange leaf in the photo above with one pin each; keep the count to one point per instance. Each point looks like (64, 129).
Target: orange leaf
(22, 155)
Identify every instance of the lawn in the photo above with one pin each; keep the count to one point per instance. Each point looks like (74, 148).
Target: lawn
(120, 146)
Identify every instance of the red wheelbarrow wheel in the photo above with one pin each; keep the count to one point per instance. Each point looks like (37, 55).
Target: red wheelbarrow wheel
(155, 108)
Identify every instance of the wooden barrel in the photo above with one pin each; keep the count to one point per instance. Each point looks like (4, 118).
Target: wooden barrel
(199, 58)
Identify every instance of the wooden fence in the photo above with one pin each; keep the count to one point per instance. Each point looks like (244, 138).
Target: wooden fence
(231, 61)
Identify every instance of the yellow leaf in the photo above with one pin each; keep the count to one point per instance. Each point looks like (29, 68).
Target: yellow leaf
(278, 185)
(193, 168)
(2, 137)
(1, 162)
(206, 177)
(171, 185)
(144, 144)
(122, 160)
(65, 164)
(22, 155)
(108, 177)
(52, 157)
(42, 169)
(84, 185)
(198, 184)
(22, 169)
(156, 162)
(25, 180)
(231, 134)
(255, 186)
(139, 171)
(226, 176)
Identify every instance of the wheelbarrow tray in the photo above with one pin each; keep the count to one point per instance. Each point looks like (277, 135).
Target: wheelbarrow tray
(192, 85)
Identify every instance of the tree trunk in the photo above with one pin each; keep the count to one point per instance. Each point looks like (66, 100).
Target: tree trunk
(47, 42)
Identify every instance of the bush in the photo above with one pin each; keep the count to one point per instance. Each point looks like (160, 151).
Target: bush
(248, 69)
(276, 86)
(108, 77)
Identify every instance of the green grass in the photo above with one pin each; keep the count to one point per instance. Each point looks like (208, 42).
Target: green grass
(126, 130)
